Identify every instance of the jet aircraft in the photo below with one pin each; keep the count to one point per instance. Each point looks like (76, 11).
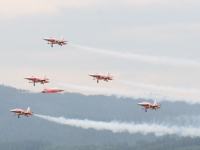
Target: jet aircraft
(37, 80)
(22, 112)
(147, 105)
(52, 90)
(101, 77)
(55, 41)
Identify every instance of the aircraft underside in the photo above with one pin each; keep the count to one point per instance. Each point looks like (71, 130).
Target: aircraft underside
(100, 79)
(55, 43)
(41, 82)
(18, 115)
(148, 108)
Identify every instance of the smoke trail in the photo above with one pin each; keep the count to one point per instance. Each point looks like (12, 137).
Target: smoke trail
(117, 127)
(142, 58)
(187, 93)
(134, 94)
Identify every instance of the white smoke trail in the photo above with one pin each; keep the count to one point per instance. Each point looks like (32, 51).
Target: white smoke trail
(181, 120)
(117, 127)
(134, 94)
(142, 58)
(186, 93)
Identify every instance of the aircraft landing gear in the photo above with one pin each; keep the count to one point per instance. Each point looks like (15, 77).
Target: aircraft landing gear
(97, 81)
(34, 83)
(145, 110)
(18, 116)
(51, 45)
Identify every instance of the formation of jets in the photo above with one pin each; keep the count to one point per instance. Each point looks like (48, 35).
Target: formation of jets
(42, 81)
(96, 76)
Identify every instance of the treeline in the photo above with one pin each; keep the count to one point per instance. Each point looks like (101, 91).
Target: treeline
(165, 143)
(5, 88)
(24, 145)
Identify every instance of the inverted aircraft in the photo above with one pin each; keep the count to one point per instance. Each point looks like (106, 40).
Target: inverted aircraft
(37, 80)
(101, 77)
(52, 90)
(55, 41)
(147, 105)
(22, 112)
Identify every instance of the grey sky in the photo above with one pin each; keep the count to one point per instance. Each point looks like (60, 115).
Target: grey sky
(159, 28)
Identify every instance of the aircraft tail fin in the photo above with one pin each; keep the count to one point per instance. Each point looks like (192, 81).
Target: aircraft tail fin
(28, 110)
(62, 38)
(108, 74)
(110, 77)
(155, 103)
(45, 78)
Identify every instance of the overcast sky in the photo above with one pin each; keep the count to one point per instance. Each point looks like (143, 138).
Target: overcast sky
(155, 31)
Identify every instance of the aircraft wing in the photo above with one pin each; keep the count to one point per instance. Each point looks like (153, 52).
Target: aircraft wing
(28, 113)
(156, 106)
(61, 41)
(42, 80)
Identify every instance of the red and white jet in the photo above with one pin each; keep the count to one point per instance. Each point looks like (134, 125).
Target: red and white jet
(22, 112)
(55, 41)
(37, 80)
(147, 105)
(101, 77)
(52, 90)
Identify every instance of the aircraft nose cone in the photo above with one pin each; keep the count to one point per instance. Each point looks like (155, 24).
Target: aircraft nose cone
(12, 110)
(139, 103)
(45, 39)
